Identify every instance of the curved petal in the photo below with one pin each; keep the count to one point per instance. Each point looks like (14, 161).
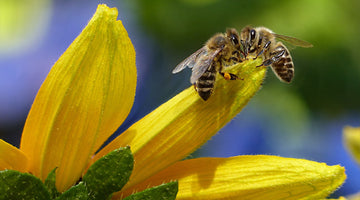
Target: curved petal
(86, 96)
(181, 125)
(12, 158)
(249, 177)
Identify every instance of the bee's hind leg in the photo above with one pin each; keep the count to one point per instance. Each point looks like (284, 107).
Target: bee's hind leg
(229, 76)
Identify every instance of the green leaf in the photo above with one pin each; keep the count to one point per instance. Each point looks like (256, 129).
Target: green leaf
(77, 192)
(110, 173)
(167, 191)
(17, 185)
(50, 184)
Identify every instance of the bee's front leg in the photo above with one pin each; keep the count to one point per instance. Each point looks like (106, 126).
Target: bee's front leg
(264, 49)
(274, 58)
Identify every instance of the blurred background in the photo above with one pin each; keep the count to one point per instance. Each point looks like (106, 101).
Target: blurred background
(303, 119)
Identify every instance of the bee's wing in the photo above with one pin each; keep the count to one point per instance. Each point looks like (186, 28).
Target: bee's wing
(293, 41)
(205, 60)
(189, 61)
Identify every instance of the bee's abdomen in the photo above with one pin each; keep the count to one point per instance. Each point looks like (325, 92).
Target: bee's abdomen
(205, 84)
(284, 67)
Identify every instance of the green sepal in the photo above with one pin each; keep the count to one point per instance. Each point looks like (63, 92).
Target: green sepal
(17, 185)
(78, 192)
(50, 184)
(109, 174)
(167, 191)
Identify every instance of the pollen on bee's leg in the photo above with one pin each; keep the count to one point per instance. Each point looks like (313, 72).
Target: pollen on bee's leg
(227, 76)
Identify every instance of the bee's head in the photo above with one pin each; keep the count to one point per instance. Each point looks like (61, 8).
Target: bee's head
(245, 33)
(216, 42)
(248, 35)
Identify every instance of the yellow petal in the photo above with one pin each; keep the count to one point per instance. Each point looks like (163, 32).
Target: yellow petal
(352, 141)
(86, 96)
(249, 177)
(181, 125)
(12, 158)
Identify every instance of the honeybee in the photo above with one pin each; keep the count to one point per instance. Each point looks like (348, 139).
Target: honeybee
(261, 41)
(221, 50)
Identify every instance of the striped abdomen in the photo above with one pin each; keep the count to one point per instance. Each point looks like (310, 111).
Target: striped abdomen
(283, 67)
(205, 84)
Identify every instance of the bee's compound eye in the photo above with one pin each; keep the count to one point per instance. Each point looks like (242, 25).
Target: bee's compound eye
(234, 39)
(252, 34)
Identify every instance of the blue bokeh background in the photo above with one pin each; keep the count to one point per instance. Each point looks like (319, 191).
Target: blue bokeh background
(303, 120)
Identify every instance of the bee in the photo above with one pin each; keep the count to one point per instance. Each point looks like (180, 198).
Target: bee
(261, 41)
(221, 50)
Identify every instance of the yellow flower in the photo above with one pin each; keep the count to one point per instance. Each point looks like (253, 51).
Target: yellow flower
(85, 97)
(89, 93)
